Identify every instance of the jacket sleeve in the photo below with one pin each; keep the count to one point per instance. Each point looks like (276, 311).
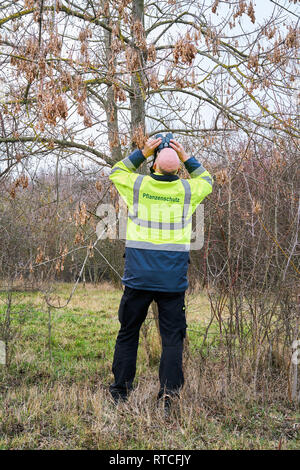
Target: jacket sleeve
(201, 181)
(123, 175)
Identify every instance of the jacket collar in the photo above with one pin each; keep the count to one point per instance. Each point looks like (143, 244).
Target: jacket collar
(160, 177)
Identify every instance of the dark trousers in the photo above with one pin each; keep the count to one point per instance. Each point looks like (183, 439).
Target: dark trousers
(172, 324)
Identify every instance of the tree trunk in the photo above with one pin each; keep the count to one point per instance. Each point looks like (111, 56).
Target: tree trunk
(137, 97)
(110, 105)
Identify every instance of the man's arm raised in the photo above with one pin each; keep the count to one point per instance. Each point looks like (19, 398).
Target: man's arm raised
(123, 173)
(202, 181)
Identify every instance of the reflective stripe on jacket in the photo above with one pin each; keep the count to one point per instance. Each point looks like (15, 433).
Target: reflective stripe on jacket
(159, 223)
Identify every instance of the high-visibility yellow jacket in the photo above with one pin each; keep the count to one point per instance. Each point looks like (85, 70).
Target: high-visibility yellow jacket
(159, 223)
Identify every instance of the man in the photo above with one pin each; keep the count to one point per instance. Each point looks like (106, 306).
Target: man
(160, 208)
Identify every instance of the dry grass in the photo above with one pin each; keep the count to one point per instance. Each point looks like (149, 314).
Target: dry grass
(65, 404)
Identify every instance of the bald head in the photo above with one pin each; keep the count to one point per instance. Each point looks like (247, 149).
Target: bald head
(167, 161)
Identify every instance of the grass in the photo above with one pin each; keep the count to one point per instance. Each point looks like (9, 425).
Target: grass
(54, 394)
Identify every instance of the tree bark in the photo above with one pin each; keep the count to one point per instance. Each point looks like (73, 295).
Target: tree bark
(111, 107)
(137, 102)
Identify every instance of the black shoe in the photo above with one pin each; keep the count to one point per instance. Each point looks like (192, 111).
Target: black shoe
(167, 405)
(117, 398)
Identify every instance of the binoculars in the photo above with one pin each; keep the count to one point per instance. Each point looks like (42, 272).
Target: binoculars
(165, 143)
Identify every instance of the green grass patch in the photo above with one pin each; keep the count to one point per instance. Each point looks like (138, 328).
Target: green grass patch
(54, 392)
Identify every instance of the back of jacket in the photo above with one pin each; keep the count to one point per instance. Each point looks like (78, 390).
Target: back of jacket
(159, 223)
